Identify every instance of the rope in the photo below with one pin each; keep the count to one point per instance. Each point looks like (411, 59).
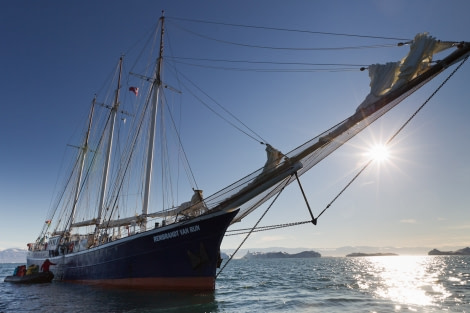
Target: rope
(253, 133)
(264, 228)
(286, 29)
(286, 181)
(286, 48)
(314, 220)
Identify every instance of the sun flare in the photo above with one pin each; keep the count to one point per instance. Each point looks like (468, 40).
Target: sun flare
(379, 153)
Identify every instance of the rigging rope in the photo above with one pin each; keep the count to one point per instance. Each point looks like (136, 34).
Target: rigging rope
(266, 62)
(264, 228)
(287, 48)
(253, 134)
(286, 29)
(286, 182)
(189, 171)
(273, 70)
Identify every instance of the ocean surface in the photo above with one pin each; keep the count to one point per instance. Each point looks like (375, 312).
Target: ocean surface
(366, 284)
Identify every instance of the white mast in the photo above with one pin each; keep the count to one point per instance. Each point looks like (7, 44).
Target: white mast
(104, 181)
(154, 102)
(82, 163)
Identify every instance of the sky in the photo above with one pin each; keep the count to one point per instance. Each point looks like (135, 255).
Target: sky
(56, 54)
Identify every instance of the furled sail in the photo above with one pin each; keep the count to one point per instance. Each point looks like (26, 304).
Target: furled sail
(392, 75)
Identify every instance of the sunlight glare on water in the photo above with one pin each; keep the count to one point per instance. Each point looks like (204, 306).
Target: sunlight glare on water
(411, 280)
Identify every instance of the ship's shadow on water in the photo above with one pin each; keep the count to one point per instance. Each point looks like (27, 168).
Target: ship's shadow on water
(67, 297)
(130, 300)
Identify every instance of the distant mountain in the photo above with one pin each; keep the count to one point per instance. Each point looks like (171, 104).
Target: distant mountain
(281, 255)
(13, 255)
(360, 254)
(342, 251)
(464, 251)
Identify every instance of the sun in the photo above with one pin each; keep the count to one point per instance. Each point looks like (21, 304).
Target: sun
(379, 153)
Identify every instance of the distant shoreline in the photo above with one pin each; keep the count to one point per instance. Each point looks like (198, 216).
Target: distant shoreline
(281, 255)
(464, 251)
(359, 254)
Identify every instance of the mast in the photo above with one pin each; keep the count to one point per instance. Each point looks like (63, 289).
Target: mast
(82, 163)
(104, 180)
(157, 83)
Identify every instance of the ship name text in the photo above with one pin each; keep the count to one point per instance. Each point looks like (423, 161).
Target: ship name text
(176, 233)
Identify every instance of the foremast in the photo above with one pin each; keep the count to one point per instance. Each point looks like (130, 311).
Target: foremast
(157, 83)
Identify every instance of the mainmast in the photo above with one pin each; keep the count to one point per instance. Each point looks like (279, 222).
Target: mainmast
(104, 181)
(82, 163)
(157, 83)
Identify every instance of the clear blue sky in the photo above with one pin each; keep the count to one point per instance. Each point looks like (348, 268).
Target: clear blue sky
(56, 54)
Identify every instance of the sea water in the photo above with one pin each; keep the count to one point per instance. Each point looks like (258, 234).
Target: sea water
(364, 284)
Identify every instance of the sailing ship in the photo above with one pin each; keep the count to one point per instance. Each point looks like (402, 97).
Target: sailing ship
(178, 246)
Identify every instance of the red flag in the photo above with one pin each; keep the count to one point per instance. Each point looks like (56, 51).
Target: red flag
(135, 90)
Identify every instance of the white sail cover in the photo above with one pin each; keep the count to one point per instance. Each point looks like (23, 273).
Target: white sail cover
(389, 76)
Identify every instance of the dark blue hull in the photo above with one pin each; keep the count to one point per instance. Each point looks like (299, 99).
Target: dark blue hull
(178, 256)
